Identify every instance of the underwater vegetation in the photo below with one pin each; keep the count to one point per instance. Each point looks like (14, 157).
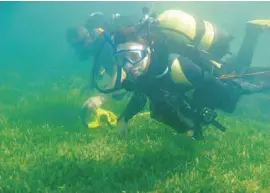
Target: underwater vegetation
(45, 148)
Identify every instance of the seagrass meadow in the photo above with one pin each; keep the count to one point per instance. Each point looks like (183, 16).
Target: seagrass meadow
(44, 148)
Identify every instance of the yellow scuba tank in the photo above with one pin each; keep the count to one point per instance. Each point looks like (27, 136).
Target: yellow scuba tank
(181, 28)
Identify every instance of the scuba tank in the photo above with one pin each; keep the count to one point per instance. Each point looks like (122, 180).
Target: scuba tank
(203, 44)
(201, 33)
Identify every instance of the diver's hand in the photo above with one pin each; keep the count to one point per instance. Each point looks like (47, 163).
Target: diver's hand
(94, 102)
(122, 128)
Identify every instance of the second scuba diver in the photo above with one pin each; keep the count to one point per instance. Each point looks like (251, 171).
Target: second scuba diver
(86, 41)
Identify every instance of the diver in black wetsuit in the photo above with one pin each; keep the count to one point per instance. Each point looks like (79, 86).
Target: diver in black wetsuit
(163, 78)
(86, 40)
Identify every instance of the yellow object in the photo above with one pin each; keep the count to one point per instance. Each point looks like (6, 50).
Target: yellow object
(102, 71)
(188, 25)
(218, 65)
(101, 117)
(189, 133)
(100, 31)
(124, 75)
(208, 37)
(260, 22)
(177, 73)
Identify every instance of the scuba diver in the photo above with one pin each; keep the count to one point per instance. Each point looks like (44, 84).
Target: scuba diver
(87, 47)
(110, 22)
(163, 78)
(86, 41)
(202, 39)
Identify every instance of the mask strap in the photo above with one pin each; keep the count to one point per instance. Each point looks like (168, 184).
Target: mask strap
(119, 77)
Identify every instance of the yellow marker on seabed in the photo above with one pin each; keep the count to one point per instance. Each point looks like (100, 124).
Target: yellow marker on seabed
(101, 117)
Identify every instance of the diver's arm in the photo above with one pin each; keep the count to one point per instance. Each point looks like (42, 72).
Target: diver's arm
(135, 105)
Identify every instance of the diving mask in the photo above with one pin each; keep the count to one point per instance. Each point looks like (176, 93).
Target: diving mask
(133, 55)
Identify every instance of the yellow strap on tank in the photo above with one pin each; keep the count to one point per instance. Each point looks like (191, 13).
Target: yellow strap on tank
(123, 75)
(177, 73)
(208, 37)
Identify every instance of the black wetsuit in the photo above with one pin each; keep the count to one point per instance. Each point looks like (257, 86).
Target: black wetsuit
(168, 101)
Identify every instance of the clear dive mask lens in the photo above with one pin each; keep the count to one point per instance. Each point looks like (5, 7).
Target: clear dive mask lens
(132, 56)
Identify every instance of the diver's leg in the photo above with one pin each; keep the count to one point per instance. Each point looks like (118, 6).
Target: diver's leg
(246, 51)
(245, 54)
